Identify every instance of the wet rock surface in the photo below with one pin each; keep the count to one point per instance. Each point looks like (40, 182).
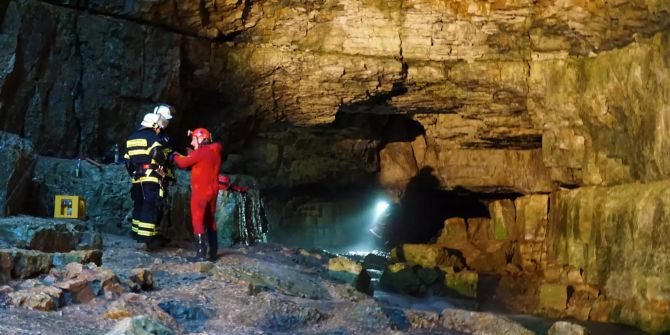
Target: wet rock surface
(249, 290)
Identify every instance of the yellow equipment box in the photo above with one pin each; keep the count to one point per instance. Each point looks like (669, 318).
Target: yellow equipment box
(70, 207)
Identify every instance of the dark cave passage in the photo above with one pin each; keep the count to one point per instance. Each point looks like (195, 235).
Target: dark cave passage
(423, 208)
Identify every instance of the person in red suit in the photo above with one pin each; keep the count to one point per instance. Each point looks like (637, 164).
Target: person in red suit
(205, 162)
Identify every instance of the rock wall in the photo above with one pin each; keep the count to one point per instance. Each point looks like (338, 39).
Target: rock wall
(488, 83)
(511, 96)
(617, 238)
(76, 83)
(106, 191)
(605, 117)
(18, 159)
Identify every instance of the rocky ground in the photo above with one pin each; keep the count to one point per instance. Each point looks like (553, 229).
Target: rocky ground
(262, 289)
(256, 290)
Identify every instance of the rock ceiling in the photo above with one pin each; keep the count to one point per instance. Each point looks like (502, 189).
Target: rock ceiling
(554, 84)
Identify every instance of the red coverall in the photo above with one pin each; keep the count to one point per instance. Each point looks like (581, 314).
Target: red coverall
(205, 163)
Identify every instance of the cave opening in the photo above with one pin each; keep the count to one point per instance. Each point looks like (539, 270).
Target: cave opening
(419, 215)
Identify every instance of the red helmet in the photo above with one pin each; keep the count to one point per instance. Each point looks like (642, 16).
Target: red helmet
(201, 133)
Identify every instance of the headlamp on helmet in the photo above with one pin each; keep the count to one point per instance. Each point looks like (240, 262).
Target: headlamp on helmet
(202, 134)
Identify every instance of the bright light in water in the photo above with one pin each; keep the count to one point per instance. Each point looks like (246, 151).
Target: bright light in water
(381, 207)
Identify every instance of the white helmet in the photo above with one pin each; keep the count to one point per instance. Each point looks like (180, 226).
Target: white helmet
(151, 120)
(166, 112)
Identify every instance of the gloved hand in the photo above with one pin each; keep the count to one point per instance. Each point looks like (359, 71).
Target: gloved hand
(170, 159)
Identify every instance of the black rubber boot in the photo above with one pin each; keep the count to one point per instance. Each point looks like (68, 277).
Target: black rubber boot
(154, 243)
(200, 248)
(212, 240)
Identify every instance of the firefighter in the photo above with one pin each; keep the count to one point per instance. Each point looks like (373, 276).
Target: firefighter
(205, 162)
(166, 112)
(144, 162)
(169, 177)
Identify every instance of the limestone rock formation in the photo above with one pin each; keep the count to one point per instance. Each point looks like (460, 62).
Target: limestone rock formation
(18, 158)
(567, 328)
(139, 325)
(481, 323)
(511, 97)
(617, 237)
(47, 235)
(105, 190)
(489, 84)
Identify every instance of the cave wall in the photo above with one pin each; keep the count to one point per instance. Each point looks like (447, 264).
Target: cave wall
(513, 96)
(77, 83)
(606, 116)
(492, 83)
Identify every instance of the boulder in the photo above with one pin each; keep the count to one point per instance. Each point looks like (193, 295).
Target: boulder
(106, 282)
(143, 278)
(21, 263)
(423, 255)
(401, 278)
(78, 290)
(48, 234)
(43, 298)
(375, 262)
(73, 270)
(480, 323)
(343, 264)
(28, 263)
(274, 279)
(567, 328)
(60, 259)
(135, 305)
(350, 271)
(15, 172)
(463, 283)
(140, 325)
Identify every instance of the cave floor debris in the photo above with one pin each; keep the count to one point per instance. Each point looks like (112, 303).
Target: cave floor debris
(262, 289)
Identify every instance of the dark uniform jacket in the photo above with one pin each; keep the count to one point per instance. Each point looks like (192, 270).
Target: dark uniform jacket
(144, 156)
